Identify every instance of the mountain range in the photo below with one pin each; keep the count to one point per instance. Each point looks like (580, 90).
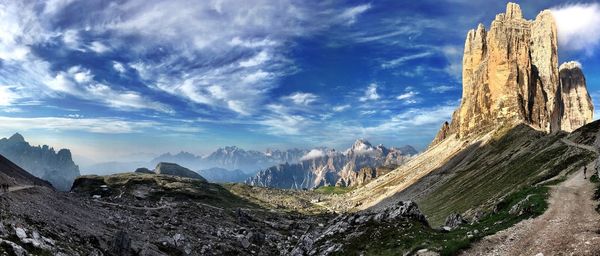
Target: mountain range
(505, 176)
(328, 167)
(42, 161)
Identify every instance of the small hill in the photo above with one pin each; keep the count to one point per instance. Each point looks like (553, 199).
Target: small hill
(14, 175)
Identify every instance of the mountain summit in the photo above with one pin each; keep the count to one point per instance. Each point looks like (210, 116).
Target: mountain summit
(511, 75)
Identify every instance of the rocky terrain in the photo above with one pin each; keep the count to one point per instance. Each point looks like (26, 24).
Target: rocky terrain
(322, 167)
(42, 161)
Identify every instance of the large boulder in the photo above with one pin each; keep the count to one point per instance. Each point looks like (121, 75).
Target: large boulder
(176, 170)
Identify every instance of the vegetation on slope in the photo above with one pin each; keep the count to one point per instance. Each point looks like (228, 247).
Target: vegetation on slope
(517, 160)
(408, 237)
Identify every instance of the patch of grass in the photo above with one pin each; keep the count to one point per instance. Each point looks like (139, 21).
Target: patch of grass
(333, 190)
(594, 178)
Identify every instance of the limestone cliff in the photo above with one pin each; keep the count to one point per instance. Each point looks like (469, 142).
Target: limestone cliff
(511, 76)
(578, 109)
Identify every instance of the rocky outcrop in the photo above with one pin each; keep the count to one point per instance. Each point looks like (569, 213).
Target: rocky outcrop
(322, 167)
(510, 76)
(347, 228)
(176, 170)
(442, 133)
(578, 108)
(42, 161)
(144, 170)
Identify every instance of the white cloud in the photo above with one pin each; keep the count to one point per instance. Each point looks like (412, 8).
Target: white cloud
(370, 93)
(7, 96)
(79, 82)
(258, 59)
(441, 89)
(351, 14)
(570, 64)
(302, 98)
(403, 59)
(367, 112)
(454, 55)
(93, 125)
(312, 154)
(577, 26)
(98, 47)
(407, 95)
(118, 66)
(341, 108)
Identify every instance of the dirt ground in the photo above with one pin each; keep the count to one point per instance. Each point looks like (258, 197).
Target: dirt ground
(570, 226)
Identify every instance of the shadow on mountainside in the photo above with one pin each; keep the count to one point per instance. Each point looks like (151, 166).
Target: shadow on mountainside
(480, 176)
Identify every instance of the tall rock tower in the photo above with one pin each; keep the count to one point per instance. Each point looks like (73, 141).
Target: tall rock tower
(511, 76)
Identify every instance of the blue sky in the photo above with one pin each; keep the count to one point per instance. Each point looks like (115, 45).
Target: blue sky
(110, 79)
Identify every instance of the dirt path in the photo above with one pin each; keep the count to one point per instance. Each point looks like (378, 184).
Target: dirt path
(570, 226)
(16, 188)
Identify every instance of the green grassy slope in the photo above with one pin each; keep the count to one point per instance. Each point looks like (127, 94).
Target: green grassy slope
(512, 161)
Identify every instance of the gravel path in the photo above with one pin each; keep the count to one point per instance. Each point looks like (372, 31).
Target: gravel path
(570, 226)
(15, 188)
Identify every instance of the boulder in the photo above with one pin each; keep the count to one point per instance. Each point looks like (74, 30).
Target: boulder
(176, 170)
(454, 220)
(144, 170)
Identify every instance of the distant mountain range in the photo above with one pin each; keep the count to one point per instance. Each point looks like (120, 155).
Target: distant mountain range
(328, 167)
(220, 175)
(233, 158)
(42, 161)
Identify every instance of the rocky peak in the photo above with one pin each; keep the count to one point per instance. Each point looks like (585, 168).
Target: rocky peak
(579, 109)
(511, 76)
(17, 137)
(361, 145)
(513, 11)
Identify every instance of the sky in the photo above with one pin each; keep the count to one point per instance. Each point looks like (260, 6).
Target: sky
(111, 80)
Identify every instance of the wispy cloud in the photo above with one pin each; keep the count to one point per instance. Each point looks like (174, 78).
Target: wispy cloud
(442, 88)
(301, 98)
(399, 61)
(350, 15)
(409, 97)
(341, 108)
(370, 93)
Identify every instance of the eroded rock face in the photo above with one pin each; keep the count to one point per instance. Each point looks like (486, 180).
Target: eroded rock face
(511, 76)
(578, 109)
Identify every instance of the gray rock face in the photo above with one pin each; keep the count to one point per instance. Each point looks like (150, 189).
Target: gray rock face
(322, 167)
(176, 170)
(42, 161)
